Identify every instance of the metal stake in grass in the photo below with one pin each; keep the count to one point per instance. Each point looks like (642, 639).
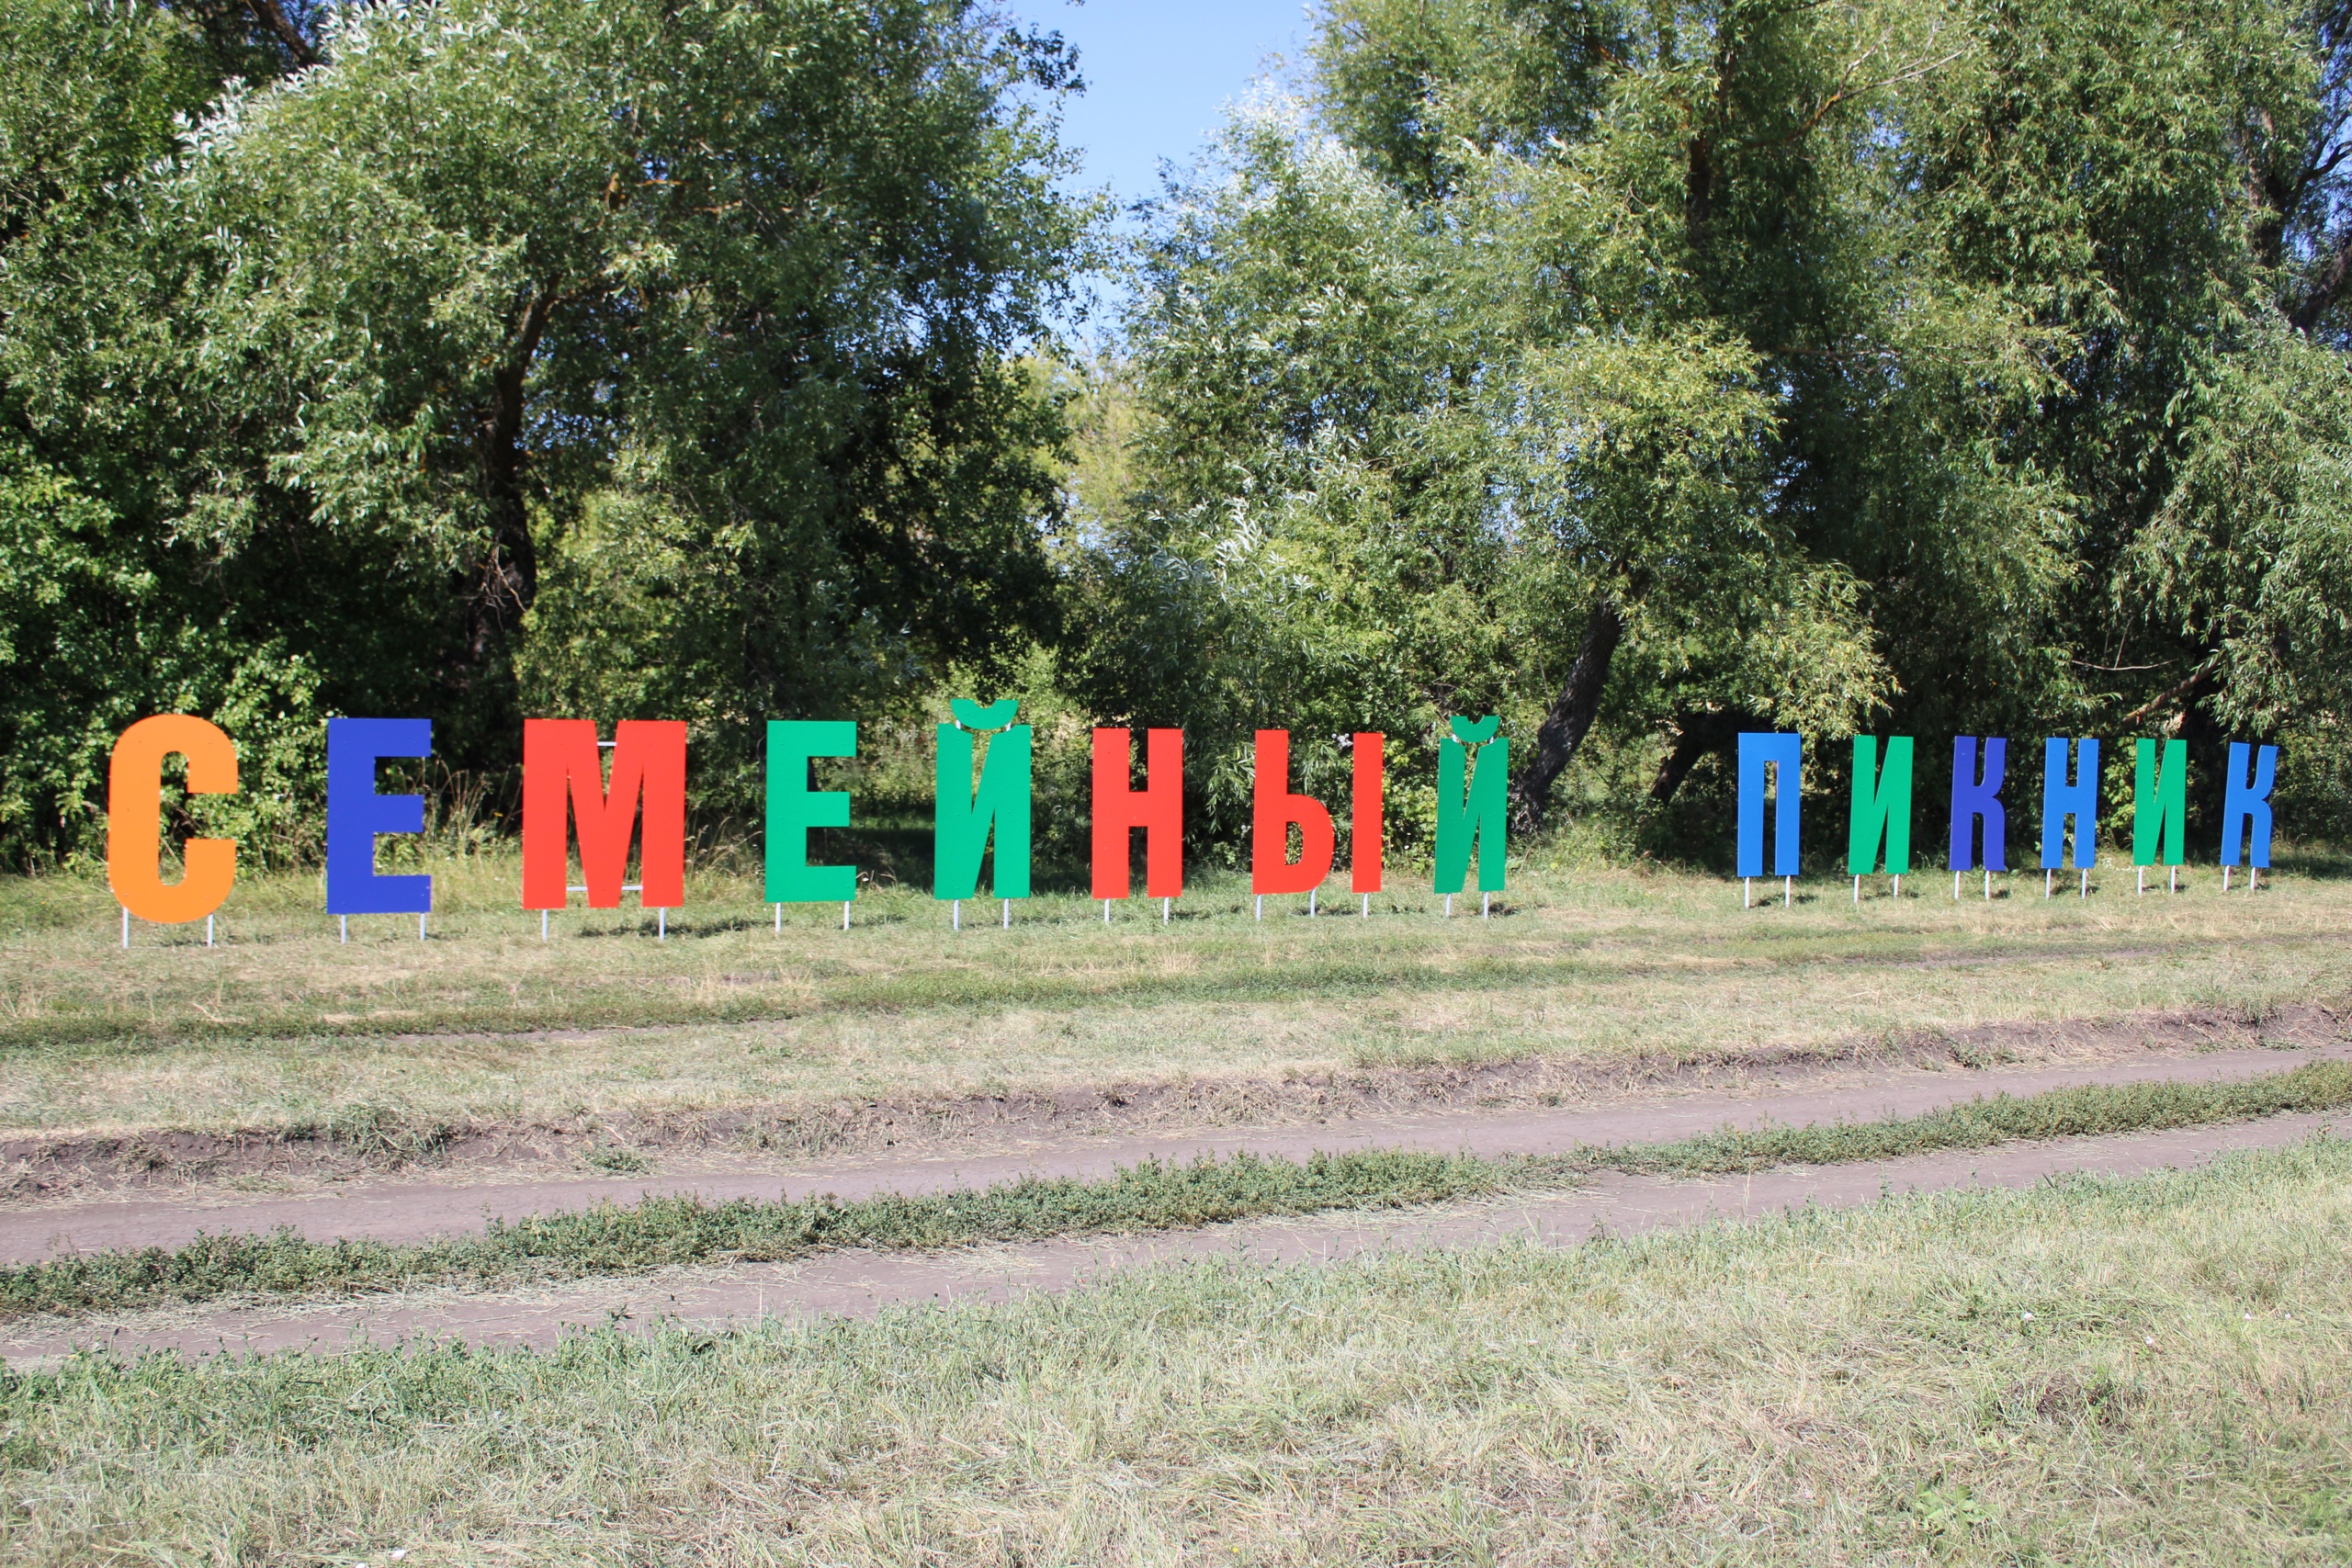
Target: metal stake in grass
(346, 926)
(1262, 906)
(844, 914)
(420, 928)
(126, 928)
(543, 921)
(208, 929)
(1008, 914)
(1310, 903)
(956, 913)
(1748, 893)
(1486, 905)
(1449, 906)
(1367, 906)
(1106, 911)
(2086, 885)
(779, 919)
(1164, 903)
(1788, 893)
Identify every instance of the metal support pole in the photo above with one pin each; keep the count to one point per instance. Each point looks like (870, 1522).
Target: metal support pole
(2046, 874)
(2087, 884)
(126, 928)
(1310, 903)
(955, 916)
(346, 926)
(1898, 889)
(844, 914)
(2176, 879)
(662, 924)
(1858, 892)
(779, 919)
(1449, 906)
(1367, 906)
(1106, 911)
(1262, 906)
(2225, 879)
(1988, 886)
(1164, 903)
(543, 921)
(208, 929)
(1748, 893)
(1486, 905)
(1008, 914)
(1788, 893)
(420, 926)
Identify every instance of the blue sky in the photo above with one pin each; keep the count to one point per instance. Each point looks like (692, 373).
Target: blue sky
(1159, 74)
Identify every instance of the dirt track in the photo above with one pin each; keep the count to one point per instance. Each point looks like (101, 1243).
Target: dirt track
(185, 1165)
(419, 1206)
(865, 1282)
(422, 1205)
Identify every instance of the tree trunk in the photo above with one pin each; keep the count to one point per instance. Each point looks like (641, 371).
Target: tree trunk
(1696, 734)
(509, 579)
(1573, 710)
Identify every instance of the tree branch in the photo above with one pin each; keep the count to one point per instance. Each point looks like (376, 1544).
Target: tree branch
(273, 16)
(2324, 290)
(1574, 710)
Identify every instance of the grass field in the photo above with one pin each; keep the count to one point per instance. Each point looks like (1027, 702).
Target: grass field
(2142, 1371)
(2138, 1371)
(282, 1028)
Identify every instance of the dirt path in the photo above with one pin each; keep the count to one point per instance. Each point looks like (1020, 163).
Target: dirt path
(413, 1209)
(863, 1283)
(47, 1172)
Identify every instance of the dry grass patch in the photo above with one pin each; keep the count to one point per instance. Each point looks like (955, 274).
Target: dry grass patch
(283, 1027)
(2140, 1372)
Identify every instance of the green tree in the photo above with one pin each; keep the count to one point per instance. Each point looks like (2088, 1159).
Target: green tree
(1753, 363)
(707, 317)
(109, 611)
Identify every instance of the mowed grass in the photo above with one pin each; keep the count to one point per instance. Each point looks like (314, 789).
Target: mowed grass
(2154, 1371)
(281, 1027)
(662, 1232)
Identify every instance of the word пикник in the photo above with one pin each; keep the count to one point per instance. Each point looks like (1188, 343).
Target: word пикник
(1879, 829)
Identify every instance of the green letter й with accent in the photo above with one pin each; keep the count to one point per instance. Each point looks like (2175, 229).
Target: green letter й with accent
(963, 815)
(1472, 808)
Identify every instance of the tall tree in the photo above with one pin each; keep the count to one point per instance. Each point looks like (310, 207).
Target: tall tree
(712, 315)
(1876, 359)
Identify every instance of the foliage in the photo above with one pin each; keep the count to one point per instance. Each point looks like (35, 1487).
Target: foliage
(709, 314)
(1638, 373)
(1657, 372)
